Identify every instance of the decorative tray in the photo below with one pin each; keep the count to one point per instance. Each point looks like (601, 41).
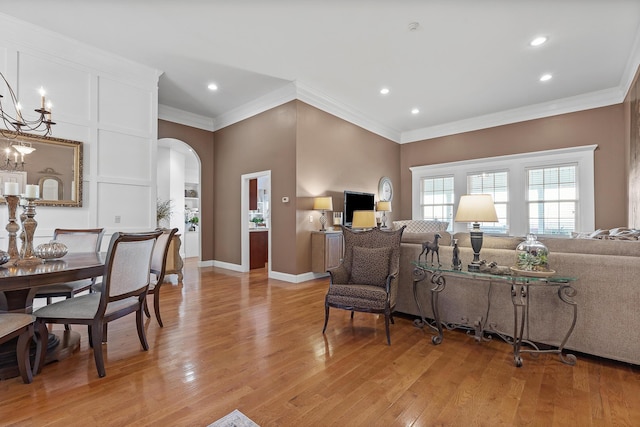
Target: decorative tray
(533, 273)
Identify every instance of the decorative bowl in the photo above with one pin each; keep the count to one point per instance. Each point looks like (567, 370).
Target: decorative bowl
(4, 257)
(51, 250)
(533, 273)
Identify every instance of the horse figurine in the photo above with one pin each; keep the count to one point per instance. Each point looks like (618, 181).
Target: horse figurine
(431, 247)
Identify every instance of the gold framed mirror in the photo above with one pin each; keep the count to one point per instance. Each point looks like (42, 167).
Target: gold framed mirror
(53, 164)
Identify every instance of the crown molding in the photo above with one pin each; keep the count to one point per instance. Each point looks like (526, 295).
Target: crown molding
(572, 104)
(186, 118)
(325, 103)
(259, 105)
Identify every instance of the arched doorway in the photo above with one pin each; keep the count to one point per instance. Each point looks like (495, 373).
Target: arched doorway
(178, 180)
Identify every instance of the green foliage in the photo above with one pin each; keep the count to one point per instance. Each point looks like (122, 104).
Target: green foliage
(163, 210)
(257, 220)
(528, 261)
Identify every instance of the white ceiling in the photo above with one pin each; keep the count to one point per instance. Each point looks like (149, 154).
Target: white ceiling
(469, 60)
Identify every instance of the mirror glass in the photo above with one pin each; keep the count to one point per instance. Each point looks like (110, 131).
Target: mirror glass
(54, 165)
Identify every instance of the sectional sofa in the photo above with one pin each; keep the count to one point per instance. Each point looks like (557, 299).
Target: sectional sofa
(608, 291)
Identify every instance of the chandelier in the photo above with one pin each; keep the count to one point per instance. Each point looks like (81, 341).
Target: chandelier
(14, 152)
(18, 124)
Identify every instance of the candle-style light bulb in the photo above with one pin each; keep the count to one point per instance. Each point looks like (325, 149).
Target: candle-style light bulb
(19, 111)
(42, 94)
(49, 108)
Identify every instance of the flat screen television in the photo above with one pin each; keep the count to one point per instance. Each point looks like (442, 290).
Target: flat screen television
(355, 201)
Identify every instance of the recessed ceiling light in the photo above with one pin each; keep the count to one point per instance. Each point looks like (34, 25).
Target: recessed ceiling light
(384, 90)
(212, 86)
(545, 77)
(538, 41)
(415, 111)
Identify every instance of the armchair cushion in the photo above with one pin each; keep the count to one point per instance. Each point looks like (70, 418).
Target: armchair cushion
(370, 266)
(358, 296)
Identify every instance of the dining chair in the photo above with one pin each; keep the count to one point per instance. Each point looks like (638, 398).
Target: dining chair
(158, 268)
(19, 325)
(76, 240)
(124, 289)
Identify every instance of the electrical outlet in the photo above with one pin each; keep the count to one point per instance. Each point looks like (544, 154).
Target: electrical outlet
(310, 218)
(117, 219)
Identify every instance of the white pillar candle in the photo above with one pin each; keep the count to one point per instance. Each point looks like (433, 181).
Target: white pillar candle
(11, 189)
(31, 191)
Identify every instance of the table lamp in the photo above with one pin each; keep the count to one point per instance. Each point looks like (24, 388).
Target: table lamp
(476, 208)
(364, 219)
(323, 204)
(384, 206)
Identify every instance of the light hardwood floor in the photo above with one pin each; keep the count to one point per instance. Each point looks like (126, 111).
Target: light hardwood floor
(242, 341)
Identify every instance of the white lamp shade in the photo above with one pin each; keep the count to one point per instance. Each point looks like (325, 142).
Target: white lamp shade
(364, 219)
(384, 206)
(476, 208)
(323, 204)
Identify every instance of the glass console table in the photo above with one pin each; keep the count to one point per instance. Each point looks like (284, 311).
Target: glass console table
(519, 297)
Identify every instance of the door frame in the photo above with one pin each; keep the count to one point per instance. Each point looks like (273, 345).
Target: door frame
(244, 219)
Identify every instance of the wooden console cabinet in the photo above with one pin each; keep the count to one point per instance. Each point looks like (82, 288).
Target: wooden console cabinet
(326, 250)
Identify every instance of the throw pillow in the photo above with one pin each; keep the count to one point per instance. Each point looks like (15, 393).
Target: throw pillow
(370, 266)
(421, 225)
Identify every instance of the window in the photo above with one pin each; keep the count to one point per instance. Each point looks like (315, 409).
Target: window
(437, 199)
(495, 184)
(545, 192)
(552, 199)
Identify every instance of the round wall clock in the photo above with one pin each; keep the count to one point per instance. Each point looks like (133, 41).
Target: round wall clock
(385, 189)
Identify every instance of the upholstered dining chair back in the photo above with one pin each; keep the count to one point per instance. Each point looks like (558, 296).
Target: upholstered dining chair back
(80, 240)
(128, 265)
(76, 240)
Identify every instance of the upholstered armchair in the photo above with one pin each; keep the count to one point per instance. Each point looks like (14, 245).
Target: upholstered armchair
(367, 278)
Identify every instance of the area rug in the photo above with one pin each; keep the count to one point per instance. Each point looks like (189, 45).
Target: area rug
(234, 419)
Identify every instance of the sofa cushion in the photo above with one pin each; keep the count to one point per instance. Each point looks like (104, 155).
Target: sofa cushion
(370, 266)
(421, 225)
(495, 242)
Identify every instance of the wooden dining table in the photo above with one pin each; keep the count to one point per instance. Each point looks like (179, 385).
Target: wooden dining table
(19, 285)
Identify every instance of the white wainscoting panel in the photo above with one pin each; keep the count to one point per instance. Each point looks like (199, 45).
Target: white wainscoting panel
(129, 202)
(124, 106)
(123, 156)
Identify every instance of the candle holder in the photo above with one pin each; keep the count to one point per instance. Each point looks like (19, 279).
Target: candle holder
(29, 226)
(12, 227)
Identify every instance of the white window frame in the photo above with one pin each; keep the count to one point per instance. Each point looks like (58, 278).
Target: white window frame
(516, 165)
(421, 205)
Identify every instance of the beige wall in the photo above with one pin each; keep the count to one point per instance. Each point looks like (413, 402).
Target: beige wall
(602, 126)
(334, 155)
(263, 142)
(312, 153)
(202, 143)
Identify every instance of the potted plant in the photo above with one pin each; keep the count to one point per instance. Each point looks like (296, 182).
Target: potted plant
(194, 222)
(163, 212)
(258, 221)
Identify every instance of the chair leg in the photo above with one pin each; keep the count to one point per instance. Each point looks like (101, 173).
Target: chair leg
(386, 326)
(326, 317)
(141, 334)
(352, 314)
(156, 305)
(96, 337)
(22, 350)
(146, 309)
